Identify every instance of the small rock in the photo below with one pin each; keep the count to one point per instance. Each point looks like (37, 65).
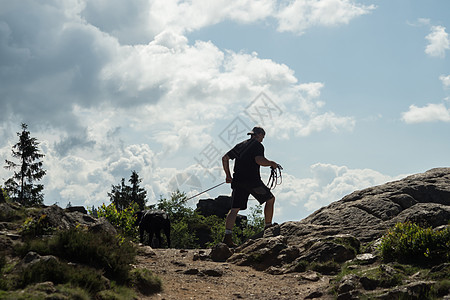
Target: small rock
(315, 294)
(365, 258)
(368, 283)
(147, 251)
(220, 252)
(178, 263)
(213, 272)
(310, 276)
(191, 272)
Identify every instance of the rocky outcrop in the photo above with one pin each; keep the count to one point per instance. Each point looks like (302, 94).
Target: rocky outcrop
(336, 231)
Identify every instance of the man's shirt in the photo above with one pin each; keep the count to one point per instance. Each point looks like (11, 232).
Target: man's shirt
(246, 170)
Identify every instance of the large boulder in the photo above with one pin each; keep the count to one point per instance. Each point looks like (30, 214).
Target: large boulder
(362, 216)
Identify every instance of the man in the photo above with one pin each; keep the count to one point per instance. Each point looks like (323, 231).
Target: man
(246, 179)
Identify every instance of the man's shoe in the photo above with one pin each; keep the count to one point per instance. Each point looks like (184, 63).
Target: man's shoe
(228, 240)
(270, 225)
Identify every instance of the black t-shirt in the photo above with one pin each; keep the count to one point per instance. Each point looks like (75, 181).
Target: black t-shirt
(246, 170)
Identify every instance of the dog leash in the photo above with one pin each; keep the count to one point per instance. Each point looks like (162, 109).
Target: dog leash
(205, 191)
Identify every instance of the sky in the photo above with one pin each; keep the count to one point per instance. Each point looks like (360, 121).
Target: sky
(351, 94)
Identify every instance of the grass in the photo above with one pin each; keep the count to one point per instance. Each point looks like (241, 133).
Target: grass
(111, 254)
(145, 281)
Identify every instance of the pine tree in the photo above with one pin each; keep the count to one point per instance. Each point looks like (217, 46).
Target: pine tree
(138, 194)
(21, 187)
(123, 195)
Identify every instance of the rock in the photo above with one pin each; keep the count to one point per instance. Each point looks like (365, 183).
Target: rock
(315, 294)
(348, 283)
(310, 276)
(328, 250)
(202, 255)
(146, 251)
(220, 252)
(365, 258)
(415, 291)
(261, 253)
(103, 226)
(336, 231)
(212, 272)
(80, 209)
(192, 271)
(218, 207)
(32, 258)
(368, 283)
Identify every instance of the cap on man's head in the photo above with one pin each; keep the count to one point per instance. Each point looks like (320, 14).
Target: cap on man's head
(256, 130)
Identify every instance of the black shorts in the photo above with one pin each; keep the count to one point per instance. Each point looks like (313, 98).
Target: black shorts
(241, 192)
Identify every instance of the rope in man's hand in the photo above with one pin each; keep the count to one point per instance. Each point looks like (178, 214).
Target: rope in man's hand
(275, 177)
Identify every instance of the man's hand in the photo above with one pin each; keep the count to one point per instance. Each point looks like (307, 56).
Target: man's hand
(229, 179)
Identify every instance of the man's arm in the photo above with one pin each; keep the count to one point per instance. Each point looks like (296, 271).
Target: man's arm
(262, 161)
(226, 168)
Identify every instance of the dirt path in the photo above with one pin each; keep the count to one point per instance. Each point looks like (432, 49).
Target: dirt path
(184, 277)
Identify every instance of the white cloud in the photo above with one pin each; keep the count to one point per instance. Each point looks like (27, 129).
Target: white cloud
(299, 15)
(438, 42)
(110, 88)
(328, 183)
(429, 113)
(445, 81)
(139, 21)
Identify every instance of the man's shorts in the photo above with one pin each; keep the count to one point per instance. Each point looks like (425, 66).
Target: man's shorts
(241, 192)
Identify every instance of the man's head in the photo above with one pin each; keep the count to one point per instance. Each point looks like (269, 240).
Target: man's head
(257, 133)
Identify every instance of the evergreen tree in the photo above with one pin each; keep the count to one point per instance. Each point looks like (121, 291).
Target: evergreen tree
(123, 195)
(120, 195)
(21, 187)
(138, 194)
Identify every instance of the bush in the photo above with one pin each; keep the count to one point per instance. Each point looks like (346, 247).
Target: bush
(187, 224)
(59, 273)
(34, 227)
(123, 220)
(145, 281)
(112, 254)
(408, 242)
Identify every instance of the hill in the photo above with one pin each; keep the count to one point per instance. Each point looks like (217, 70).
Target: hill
(333, 253)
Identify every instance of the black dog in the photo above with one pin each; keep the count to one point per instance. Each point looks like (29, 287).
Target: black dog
(153, 221)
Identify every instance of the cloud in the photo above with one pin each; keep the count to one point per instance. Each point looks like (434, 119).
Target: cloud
(299, 15)
(328, 183)
(110, 87)
(138, 22)
(445, 81)
(438, 42)
(429, 113)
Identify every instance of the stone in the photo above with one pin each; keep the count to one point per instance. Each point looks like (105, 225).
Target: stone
(310, 276)
(220, 252)
(212, 272)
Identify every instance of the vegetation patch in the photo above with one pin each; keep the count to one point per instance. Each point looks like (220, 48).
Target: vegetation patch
(145, 281)
(111, 254)
(410, 243)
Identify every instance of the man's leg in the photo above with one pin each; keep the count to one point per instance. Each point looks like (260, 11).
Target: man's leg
(229, 223)
(231, 218)
(268, 211)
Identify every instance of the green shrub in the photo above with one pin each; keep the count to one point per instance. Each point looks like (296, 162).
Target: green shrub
(59, 273)
(145, 281)
(123, 220)
(112, 254)
(34, 227)
(441, 288)
(408, 242)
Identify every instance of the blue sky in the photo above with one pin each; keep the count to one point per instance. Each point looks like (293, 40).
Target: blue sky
(351, 93)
